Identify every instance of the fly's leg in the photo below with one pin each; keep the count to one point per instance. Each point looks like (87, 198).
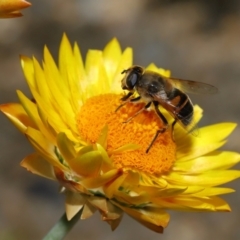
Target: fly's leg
(135, 99)
(126, 100)
(155, 137)
(173, 124)
(160, 131)
(141, 110)
(126, 97)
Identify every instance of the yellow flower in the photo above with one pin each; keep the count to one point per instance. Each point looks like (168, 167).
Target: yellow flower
(82, 142)
(10, 8)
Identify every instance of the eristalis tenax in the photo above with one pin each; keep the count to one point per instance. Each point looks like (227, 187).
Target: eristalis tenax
(155, 89)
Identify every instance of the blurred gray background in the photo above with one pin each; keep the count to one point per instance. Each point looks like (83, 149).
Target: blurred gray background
(198, 40)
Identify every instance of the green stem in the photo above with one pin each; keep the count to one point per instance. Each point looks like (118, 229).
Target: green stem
(62, 227)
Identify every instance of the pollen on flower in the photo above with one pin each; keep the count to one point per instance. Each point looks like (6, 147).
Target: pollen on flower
(99, 111)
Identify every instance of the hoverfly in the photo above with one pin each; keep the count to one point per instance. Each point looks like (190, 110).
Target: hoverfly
(155, 89)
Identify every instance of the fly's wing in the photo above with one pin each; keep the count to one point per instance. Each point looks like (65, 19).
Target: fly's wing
(189, 86)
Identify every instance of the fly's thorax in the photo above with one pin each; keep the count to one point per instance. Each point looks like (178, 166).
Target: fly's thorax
(150, 85)
(145, 96)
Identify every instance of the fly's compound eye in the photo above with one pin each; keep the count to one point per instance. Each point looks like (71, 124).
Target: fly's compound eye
(131, 80)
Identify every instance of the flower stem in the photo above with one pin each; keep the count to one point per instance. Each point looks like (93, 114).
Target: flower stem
(62, 227)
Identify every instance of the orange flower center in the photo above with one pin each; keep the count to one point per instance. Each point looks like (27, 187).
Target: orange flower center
(99, 111)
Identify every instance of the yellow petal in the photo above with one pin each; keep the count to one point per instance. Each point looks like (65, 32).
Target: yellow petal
(211, 178)
(88, 164)
(79, 62)
(97, 79)
(170, 191)
(28, 70)
(66, 147)
(17, 115)
(9, 8)
(45, 127)
(210, 139)
(125, 63)
(210, 204)
(30, 108)
(126, 147)
(153, 67)
(66, 60)
(106, 160)
(41, 83)
(212, 161)
(102, 139)
(113, 187)
(63, 90)
(154, 218)
(44, 147)
(54, 80)
(138, 200)
(220, 204)
(192, 204)
(213, 191)
(37, 165)
(33, 113)
(76, 85)
(75, 89)
(111, 57)
(219, 131)
(101, 180)
(54, 118)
